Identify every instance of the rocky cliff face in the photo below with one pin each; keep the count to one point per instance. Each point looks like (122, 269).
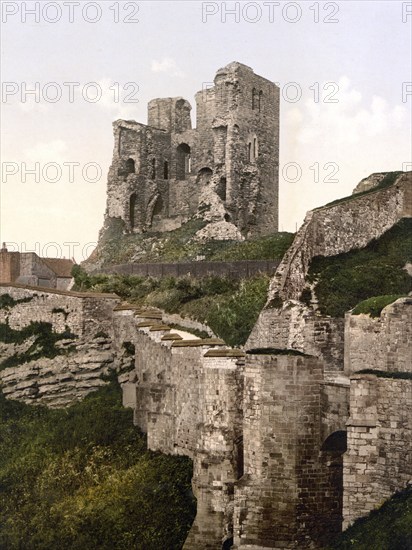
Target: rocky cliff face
(342, 226)
(55, 346)
(59, 381)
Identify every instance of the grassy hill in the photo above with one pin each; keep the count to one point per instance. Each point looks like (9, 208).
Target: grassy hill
(229, 307)
(117, 247)
(344, 280)
(387, 528)
(81, 478)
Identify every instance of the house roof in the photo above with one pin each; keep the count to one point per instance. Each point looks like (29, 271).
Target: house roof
(61, 267)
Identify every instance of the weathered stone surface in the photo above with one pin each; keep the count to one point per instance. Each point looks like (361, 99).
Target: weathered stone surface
(381, 343)
(224, 171)
(267, 431)
(379, 457)
(60, 381)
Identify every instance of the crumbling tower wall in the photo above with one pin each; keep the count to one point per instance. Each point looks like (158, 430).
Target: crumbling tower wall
(163, 172)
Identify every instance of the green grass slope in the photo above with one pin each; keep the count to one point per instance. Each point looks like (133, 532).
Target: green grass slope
(344, 280)
(80, 478)
(117, 247)
(387, 528)
(230, 307)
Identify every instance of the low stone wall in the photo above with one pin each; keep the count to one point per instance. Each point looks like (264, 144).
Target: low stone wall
(84, 314)
(237, 269)
(381, 343)
(187, 397)
(379, 457)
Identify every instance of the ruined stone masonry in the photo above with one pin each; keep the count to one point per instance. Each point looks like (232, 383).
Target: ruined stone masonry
(289, 440)
(281, 450)
(225, 170)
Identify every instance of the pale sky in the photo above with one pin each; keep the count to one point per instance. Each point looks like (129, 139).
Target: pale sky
(344, 69)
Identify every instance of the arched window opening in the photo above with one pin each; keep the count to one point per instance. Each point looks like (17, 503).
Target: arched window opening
(249, 152)
(130, 166)
(221, 191)
(158, 207)
(204, 176)
(239, 457)
(132, 210)
(183, 161)
(227, 545)
(165, 170)
(255, 149)
(253, 99)
(153, 175)
(260, 101)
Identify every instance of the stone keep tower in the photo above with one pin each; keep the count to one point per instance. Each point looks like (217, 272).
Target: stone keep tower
(165, 172)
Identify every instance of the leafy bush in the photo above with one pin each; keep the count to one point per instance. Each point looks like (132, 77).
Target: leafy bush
(344, 280)
(81, 478)
(373, 306)
(7, 301)
(232, 316)
(387, 528)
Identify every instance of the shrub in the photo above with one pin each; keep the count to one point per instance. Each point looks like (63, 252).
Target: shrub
(7, 301)
(374, 306)
(81, 478)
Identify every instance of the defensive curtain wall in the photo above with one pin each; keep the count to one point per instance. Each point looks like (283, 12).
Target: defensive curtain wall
(287, 437)
(265, 431)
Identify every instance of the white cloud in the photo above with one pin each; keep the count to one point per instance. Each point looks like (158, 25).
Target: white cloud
(353, 138)
(166, 65)
(347, 121)
(119, 99)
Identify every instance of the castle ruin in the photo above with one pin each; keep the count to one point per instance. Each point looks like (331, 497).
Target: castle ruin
(290, 438)
(165, 172)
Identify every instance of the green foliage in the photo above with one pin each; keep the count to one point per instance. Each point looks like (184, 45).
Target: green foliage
(229, 306)
(272, 247)
(7, 301)
(43, 345)
(387, 181)
(344, 280)
(81, 478)
(232, 315)
(61, 310)
(387, 528)
(129, 349)
(373, 306)
(116, 246)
